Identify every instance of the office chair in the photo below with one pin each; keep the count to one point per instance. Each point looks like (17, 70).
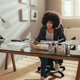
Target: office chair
(74, 47)
(50, 67)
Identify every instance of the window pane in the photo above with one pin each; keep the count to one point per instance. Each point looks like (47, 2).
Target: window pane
(68, 8)
(77, 7)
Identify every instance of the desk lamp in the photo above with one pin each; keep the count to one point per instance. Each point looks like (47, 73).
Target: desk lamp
(5, 24)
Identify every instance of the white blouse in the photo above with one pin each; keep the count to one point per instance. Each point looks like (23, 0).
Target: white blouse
(49, 36)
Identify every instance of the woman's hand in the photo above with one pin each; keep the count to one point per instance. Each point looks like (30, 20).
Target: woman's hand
(35, 42)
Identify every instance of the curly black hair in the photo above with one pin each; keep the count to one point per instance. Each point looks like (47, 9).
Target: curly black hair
(52, 16)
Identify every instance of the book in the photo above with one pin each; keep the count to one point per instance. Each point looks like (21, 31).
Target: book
(40, 46)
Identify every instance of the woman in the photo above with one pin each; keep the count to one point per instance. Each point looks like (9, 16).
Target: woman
(50, 31)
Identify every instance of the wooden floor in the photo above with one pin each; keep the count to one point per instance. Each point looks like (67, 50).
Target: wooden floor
(27, 70)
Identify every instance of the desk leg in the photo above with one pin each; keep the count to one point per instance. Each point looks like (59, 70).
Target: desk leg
(78, 71)
(13, 61)
(6, 64)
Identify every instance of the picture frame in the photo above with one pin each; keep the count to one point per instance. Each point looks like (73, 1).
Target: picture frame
(34, 14)
(25, 1)
(25, 14)
(34, 2)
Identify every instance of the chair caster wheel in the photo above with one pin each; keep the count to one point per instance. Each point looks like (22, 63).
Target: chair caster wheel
(62, 75)
(64, 68)
(45, 76)
(38, 69)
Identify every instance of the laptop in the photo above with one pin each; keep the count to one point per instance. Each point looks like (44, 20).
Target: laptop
(19, 39)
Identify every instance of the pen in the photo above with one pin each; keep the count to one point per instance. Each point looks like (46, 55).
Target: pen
(60, 39)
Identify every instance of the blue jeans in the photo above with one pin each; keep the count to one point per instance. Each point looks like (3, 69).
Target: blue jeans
(44, 64)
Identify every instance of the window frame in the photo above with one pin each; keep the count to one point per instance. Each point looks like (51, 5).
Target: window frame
(74, 11)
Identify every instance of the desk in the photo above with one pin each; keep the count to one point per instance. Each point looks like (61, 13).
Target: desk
(37, 53)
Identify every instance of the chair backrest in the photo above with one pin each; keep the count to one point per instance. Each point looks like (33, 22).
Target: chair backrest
(74, 38)
(61, 26)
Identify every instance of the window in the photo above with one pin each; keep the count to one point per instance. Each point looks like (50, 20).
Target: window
(70, 9)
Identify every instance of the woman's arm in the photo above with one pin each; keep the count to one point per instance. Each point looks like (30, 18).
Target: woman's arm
(41, 34)
(61, 35)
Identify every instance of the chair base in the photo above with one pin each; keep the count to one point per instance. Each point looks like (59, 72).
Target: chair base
(51, 68)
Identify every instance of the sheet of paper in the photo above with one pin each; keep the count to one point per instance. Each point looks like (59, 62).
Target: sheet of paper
(74, 52)
(66, 42)
(2, 40)
(19, 44)
(76, 42)
(43, 46)
(45, 41)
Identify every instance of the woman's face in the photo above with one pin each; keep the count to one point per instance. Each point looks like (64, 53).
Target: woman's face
(49, 24)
